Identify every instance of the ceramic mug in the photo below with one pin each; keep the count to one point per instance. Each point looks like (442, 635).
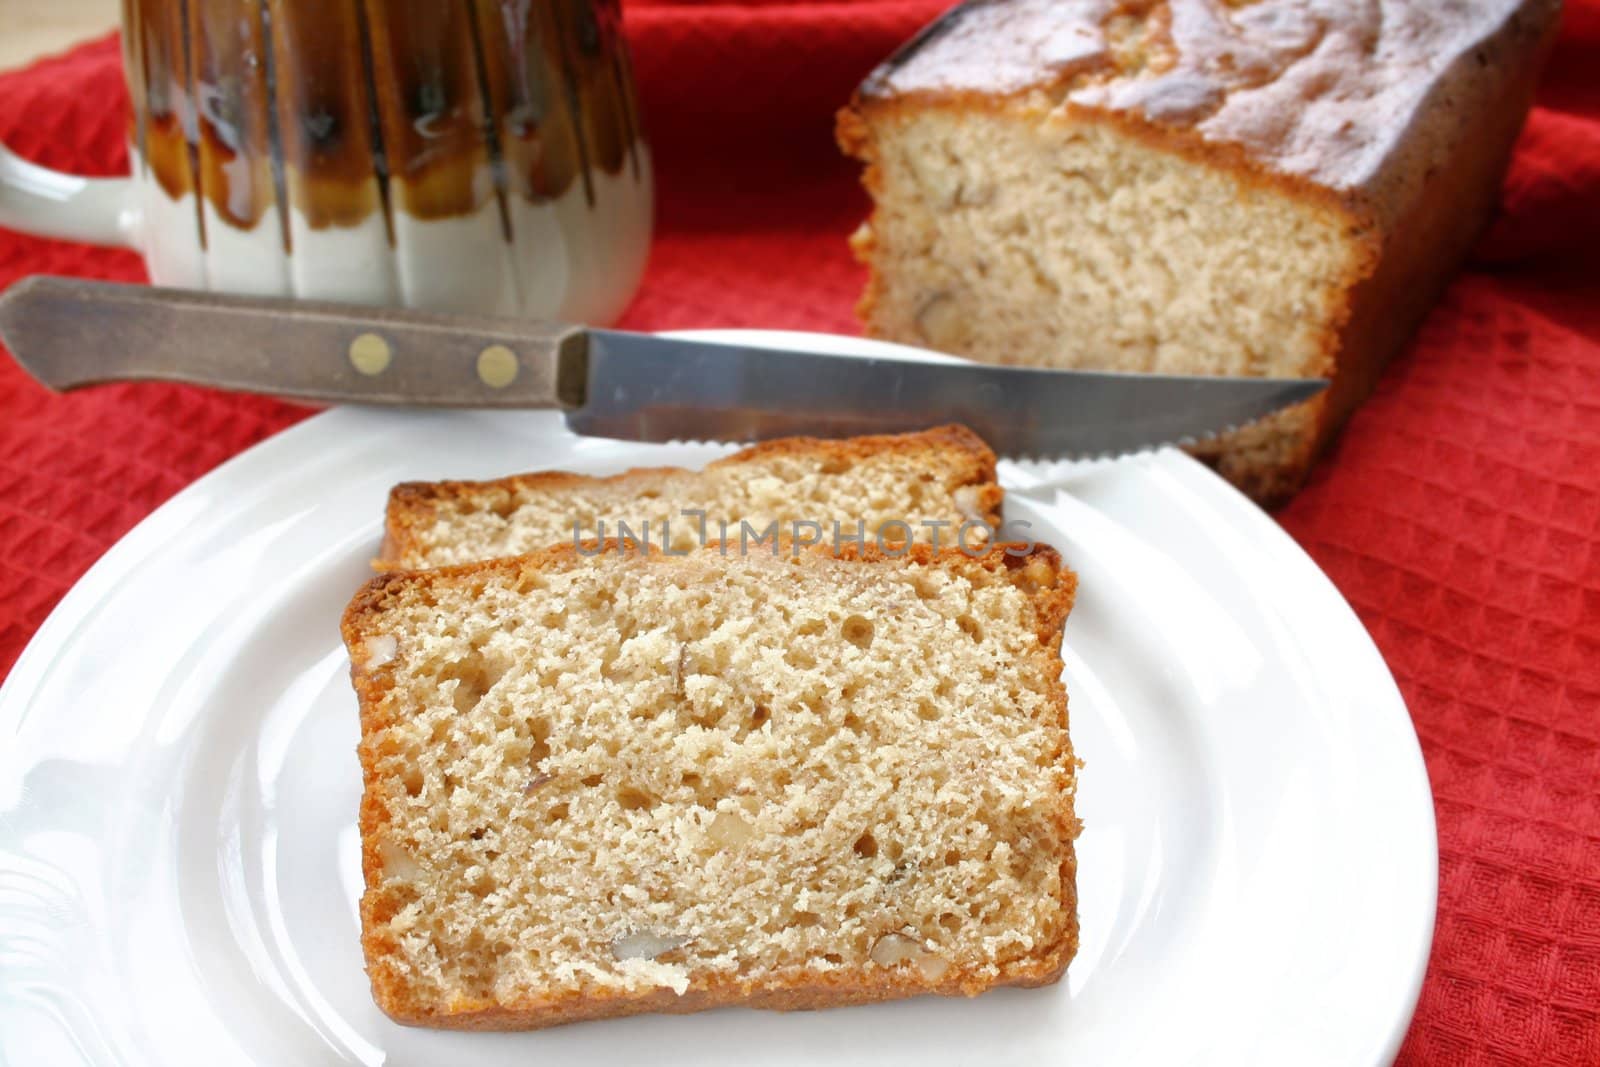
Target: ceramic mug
(464, 155)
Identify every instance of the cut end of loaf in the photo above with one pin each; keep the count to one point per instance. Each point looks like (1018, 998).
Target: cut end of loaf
(1056, 236)
(946, 474)
(603, 785)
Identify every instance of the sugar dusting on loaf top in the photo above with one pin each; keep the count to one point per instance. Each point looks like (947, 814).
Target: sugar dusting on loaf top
(1324, 89)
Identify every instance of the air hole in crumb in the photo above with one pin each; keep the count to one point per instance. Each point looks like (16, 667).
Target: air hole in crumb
(866, 845)
(759, 717)
(950, 922)
(835, 465)
(852, 721)
(857, 629)
(952, 858)
(810, 628)
(632, 799)
(504, 506)
(833, 957)
(474, 677)
(927, 710)
(729, 830)
(540, 729)
(466, 696)
(690, 779)
(1020, 864)
(971, 627)
(557, 812)
(592, 780)
(894, 851)
(807, 918)
(412, 777)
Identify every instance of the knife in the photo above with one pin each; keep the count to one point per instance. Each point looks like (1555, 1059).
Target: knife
(609, 383)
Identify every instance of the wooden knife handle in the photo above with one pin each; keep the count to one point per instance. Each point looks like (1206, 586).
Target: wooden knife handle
(70, 333)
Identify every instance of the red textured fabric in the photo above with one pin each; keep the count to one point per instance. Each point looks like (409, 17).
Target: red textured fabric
(1460, 512)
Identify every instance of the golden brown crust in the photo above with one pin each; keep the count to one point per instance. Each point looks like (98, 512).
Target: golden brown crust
(413, 506)
(803, 991)
(1276, 77)
(1035, 569)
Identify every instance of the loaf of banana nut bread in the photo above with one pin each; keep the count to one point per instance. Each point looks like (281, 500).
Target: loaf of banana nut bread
(934, 481)
(1242, 187)
(605, 784)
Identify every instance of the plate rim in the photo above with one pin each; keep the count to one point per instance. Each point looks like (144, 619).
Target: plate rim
(127, 553)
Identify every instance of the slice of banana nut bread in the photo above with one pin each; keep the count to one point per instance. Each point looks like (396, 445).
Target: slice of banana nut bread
(943, 475)
(631, 782)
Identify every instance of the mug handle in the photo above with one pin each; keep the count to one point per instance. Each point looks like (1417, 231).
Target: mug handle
(48, 203)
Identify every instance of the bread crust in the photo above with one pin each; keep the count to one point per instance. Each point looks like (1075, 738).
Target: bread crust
(414, 506)
(1035, 569)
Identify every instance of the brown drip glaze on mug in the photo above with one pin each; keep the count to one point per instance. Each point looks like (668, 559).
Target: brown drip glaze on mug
(231, 93)
(325, 112)
(530, 104)
(133, 63)
(592, 36)
(622, 71)
(377, 99)
(430, 107)
(162, 58)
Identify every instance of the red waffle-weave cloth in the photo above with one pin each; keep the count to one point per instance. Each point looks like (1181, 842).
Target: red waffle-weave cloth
(1460, 513)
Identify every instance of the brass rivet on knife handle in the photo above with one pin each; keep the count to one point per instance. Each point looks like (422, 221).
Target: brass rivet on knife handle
(497, 366)
(370, 354)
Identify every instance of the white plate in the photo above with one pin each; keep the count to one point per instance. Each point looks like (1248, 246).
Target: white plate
(178, 787)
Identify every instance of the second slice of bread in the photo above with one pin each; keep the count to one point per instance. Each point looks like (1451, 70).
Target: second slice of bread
(635, 782)
(943, 475)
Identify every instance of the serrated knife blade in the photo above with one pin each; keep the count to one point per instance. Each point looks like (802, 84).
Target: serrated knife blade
(70, 333)
(648, 388)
